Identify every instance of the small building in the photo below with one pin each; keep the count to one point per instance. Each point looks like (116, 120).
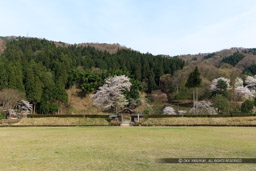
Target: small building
(126, 116)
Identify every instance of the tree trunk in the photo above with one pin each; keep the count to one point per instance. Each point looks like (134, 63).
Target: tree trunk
(196, 98)
(34, 109)
(71, 94)
(116, 109)
(194, 101)
(233, 96)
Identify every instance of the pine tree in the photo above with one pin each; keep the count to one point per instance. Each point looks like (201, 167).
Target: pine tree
(194, 81)
(15, 76)
(222, 88)
(3, 77)
(33, 86)
(151, 83)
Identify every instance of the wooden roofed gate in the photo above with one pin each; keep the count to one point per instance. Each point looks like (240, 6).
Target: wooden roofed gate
(127, 116)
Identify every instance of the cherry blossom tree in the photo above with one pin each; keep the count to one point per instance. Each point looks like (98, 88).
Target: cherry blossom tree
(111, 94)
(242, 93)
(203, 108)
(238, 82)
(214, 87)
(250, 83)
(169, 111)
(181, 112)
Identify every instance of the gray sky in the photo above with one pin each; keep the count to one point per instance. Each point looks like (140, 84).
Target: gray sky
(170, 27)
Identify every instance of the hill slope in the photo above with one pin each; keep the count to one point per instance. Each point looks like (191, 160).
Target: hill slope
(44, 69)
(213, 65)
(110, 48)
(2, 46)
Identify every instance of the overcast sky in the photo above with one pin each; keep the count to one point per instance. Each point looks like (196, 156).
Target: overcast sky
(170, 27)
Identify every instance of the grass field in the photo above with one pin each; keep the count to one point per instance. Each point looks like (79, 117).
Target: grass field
(117, 148)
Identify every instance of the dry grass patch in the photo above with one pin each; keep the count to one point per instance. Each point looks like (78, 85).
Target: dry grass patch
(234, 121)
(80, 104)
(64, 121)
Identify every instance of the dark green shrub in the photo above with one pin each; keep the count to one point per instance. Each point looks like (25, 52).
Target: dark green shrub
(222, 104)
(46, 108)
(221, 88)
(184, 93)
(247, 106)
(1, 116)
(254, 101)
(146, 111)
(205, 93)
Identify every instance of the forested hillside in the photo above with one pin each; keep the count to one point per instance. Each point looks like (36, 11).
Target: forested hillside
(229, 63)
(44, 71)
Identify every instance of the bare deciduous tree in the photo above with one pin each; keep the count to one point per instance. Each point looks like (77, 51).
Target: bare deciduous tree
(165, 82)
(9, 98)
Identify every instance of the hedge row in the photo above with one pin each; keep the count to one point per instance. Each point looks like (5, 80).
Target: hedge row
(194, 116)
(68, 116)
(146, 116)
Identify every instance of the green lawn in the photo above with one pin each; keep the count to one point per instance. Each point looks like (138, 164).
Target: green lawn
(116, 148)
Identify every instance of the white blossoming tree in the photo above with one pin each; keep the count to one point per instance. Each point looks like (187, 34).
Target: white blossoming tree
(250, 83)
(242, 93)
(181, 112)
(169, 111)
(111, 94)
(238, 82)
(203, 108)
(214, 87)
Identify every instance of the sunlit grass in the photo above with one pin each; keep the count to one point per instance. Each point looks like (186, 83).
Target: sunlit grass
(116, 148)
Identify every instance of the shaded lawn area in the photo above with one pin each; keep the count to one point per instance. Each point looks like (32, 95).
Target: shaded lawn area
(116, 148)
